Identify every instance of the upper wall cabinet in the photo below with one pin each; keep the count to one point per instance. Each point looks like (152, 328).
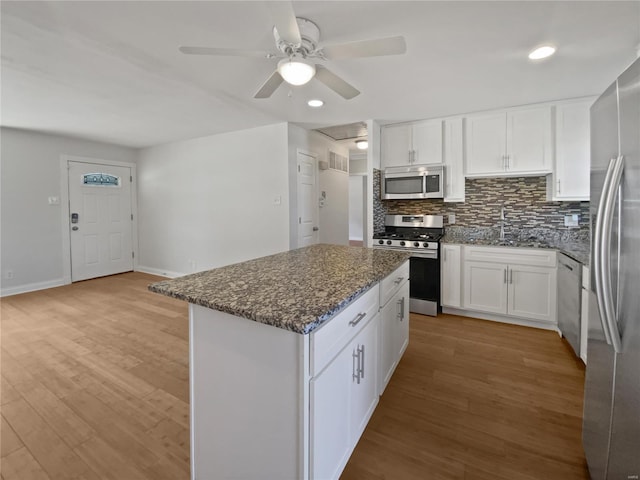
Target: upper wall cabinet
(509, 143)
(411, 143)
(453, 160)
(570, 178)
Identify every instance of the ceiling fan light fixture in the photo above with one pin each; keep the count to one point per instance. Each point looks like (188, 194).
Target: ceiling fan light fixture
(296, 70)
(362, 144)
(542, 52)
(315, 103)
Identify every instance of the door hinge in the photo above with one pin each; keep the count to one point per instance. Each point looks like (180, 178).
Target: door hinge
(132, 217)
(299, 219)
(130, 178)
(133, 255)
(298, 168)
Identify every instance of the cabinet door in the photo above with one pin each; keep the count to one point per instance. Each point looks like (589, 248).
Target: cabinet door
(573, 161)
(330, 394)
(485, 287)
(394, 334)
(395, 145)
(453, 161)
(486, 139)
(532, 292)
(451, 285)
(529, 140)
(364, 396)
(426, 141)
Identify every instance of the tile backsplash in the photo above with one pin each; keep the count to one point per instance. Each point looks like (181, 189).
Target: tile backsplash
(523, 199)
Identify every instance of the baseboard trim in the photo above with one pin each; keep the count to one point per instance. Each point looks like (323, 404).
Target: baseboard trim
(502, 319)
(158, 271)
(31, 287)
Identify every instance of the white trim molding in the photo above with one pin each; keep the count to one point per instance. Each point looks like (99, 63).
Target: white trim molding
(31, 287)
(158, 271)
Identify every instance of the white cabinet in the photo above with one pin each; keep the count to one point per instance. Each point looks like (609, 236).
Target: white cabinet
(453, 160)
(394, 322)
(509, 143)
(571, 172)
(515, 282)
(411, 143)
(450, 268)
(343, 397)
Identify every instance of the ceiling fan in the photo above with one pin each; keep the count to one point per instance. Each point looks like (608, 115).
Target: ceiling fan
(297, 44)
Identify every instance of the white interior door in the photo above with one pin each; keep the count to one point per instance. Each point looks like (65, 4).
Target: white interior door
(307, 201)
(100, 220)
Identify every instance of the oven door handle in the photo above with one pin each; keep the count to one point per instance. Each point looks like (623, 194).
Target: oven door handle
(431, 254)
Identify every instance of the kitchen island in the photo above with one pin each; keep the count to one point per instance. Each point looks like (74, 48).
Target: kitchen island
(286, 355)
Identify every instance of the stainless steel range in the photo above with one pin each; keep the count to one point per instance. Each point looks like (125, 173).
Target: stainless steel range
(420, 235)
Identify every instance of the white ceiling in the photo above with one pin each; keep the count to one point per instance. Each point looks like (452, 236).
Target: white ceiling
(111, 71)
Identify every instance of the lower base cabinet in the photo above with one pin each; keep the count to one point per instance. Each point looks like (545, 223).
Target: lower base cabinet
(394, 333)
(343, 397)
(514, 282)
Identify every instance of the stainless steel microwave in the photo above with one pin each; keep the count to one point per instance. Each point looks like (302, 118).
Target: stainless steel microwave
(413, 182)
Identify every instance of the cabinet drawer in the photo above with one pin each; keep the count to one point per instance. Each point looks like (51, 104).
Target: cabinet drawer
(328, 340)
(392, 283)
(522, 256)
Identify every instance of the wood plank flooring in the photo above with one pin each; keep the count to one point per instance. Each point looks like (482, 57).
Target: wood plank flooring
(95, 386)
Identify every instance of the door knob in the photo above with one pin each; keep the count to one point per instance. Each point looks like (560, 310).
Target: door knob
(74, 228)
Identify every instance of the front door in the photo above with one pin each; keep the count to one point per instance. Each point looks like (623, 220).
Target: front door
(100, 220)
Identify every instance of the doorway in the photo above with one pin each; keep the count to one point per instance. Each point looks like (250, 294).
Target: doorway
(307, 205)
(98, 218)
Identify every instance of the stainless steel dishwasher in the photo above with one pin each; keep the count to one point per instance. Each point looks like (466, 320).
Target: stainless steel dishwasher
(569, 300)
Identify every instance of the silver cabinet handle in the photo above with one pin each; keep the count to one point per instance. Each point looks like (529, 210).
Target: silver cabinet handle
(361, 353)
(505, 276)
(598, 249)
(508, 161)
(400, 310)
(605, 256)
(355, 366)
(444, 254)
(356, 320)
(398, 280)
(558, 187)
(511, 276)
(504, 162)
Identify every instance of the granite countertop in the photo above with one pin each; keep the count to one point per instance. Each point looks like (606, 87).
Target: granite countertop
(296, 290)
(576, 246)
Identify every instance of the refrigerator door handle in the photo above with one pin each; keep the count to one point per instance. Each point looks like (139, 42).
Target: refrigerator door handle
(598, 249)
(605, 258)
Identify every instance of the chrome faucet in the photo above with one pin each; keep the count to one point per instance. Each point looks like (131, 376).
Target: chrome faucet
(502, 218)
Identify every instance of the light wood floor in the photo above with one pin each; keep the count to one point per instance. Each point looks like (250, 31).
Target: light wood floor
(95, 386)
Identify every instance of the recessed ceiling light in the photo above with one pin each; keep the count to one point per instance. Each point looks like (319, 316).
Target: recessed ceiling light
(315, 103)
(542, 52)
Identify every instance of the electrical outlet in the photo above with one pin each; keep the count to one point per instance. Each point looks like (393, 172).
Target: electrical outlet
(571, 220)
(452, 218)
(277, 200)
(8, 274)
(53, 200)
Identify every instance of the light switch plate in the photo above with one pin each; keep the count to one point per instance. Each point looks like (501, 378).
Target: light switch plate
(53, 200)
(452, 218)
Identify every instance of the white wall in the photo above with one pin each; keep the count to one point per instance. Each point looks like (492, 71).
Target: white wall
(298, 138)
(31, 229)
(334, 214)
(356, 206)
(209, 202)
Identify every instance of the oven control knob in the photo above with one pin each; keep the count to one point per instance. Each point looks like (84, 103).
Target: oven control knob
(380, 242)
(402, 243)
(388, 242)
(425, 244)
(416, 244)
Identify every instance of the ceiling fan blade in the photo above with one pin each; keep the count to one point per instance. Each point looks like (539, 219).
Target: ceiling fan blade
(270, 86)
(335, 83)
(367, 48)
(229, 52)
(285, 21)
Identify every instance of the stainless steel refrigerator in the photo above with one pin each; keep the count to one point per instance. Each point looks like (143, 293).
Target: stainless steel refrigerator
(611, 425)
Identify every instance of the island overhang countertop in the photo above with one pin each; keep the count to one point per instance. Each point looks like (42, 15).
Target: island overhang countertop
(297, 290)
